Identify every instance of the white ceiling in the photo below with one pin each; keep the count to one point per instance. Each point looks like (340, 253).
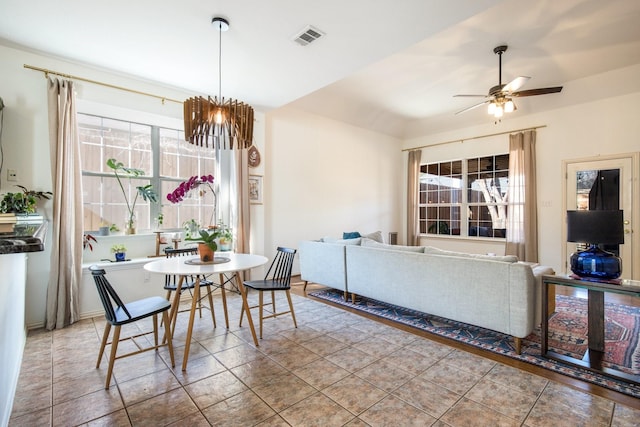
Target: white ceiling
(389, 66)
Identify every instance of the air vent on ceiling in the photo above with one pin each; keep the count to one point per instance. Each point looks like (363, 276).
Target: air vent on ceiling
(308, 35)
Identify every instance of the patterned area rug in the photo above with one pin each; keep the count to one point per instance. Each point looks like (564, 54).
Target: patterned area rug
(567, 328)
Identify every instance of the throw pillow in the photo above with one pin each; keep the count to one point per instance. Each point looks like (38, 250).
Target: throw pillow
(376, 235)
(350, 235)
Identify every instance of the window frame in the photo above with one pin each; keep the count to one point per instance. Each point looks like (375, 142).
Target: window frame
(459, 222)
(199, 207)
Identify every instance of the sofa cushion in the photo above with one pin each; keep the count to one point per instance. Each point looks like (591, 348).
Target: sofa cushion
(372, 243)
(437, 251)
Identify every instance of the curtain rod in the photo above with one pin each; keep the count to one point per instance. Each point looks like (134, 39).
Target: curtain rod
(69, 76)
(474, 137)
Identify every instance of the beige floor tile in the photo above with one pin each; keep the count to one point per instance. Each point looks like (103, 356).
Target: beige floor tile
(321, 373)
(376, 347)
(215, 388)
(351, 359)
(296, 357)
(258, 371)
(119, 418)
(448, 376)
(198, 369)
(275, 421)
(324, 345)
(502, 399)
(284, 391)
(427, 396)
(469, 362)
(467, 413)
(163, 409)
(392, 411)
(40, 417)
(243, 409)
(86, 408)
(238, 355)
(148, 386)
(87, 382)
(410, 361)
(355, 394)
(516, 379)
(317, 410)
(384, 375)
(623, 416)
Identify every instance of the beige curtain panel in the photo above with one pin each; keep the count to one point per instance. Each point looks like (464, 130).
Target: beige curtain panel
(67, 223)
(522, 218)
(413, 183)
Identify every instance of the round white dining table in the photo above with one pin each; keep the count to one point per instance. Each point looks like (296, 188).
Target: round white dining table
(226, 262)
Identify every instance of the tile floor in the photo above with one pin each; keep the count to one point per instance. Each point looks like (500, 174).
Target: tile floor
(337, 368)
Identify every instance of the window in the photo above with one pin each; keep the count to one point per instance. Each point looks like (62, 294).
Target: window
(465, 197)
(160, 152)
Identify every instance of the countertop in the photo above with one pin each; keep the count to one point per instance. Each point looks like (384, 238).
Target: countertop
(20, 238)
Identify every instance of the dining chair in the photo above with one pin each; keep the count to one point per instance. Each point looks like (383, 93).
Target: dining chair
(278, 278)
(118, 313)
(171, 282)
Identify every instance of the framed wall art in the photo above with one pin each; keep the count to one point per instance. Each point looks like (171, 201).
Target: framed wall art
(255, 189)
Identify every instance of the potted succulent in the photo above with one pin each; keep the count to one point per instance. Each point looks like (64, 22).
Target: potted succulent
(207, 245)
(145, 191)
(119, 250)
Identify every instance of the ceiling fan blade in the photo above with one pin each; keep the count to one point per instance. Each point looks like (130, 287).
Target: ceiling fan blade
(473, 106)
(515, 84)
(540, 91)
(469, 96)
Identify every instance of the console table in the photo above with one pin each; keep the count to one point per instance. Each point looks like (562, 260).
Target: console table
(593, 358)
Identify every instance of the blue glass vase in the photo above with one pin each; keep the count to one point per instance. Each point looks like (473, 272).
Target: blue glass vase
(596, 263)
(120, 256)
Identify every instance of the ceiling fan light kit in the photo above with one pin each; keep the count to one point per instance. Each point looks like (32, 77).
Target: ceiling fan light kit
(223, 123)
(500, 97)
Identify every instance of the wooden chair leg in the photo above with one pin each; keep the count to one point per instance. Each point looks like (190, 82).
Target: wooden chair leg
(105, 338)
(112, 357)
(273, 302)
(155, 331)
(304, 289)
(167, 332)
(213, 313)
(293, 313)
(260, 301)
(224, 301)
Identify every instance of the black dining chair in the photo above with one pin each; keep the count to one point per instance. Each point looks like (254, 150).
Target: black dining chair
(118, 313)
(171, 282)
(278, 278)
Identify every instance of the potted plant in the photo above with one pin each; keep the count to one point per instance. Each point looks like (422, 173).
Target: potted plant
(207, 245)
(145, 191)
(191, 228)
(86, 241)
(22, 203)
(119, 250)
(226, 236)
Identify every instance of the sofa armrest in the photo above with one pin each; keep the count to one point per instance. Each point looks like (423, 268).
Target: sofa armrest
(323, 263)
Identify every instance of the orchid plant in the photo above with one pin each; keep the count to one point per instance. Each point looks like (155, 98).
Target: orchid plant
(185, 187)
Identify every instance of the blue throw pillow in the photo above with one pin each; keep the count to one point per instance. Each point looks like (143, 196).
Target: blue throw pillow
(350, 235)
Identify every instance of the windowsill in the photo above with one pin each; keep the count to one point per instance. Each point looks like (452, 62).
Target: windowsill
(120, 265)
(467, 238)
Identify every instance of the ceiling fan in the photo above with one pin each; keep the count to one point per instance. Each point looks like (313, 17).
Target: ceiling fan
(500, 96)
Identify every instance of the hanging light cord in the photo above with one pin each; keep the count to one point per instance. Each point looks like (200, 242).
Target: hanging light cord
(220, 61)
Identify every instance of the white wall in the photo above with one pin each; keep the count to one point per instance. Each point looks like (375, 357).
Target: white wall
(323, 177)
(589, 129)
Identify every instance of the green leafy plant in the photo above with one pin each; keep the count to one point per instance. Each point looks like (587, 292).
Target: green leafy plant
(145, 191)
(208, 237)
(118, 248)
(23, 203)
(226, 233)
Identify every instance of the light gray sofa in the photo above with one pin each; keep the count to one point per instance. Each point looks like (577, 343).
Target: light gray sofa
(496, 293)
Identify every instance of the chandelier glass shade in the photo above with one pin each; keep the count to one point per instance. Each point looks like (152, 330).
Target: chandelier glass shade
(501, 105)
(218, 122)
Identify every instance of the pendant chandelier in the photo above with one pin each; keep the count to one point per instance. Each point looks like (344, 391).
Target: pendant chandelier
(217, 122)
